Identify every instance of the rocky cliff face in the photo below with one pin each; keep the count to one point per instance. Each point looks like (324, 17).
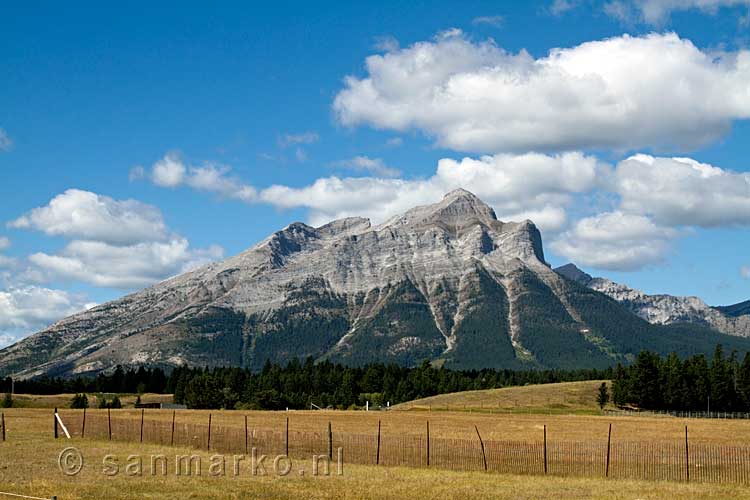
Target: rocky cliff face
(666, 309)
(446, 282)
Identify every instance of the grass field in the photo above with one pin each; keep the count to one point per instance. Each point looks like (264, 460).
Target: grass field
(28, 465)
(562, 398)
(63, 400)
(29, 457)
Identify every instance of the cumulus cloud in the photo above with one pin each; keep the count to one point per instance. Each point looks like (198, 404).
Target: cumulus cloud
(83, 214)
(114, 243)
(745, 272)
(682, 191)
(6, 144)
(657, 12)
(374, 166)
(125, 267)
(517, 186)
(4, 242)
(615, 241)
(620, 93)
(171, 171)
(31, 308)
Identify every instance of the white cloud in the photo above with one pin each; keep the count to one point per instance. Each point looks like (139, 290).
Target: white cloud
(745, 272)
(657, 12)
(394, 142)
(287, 140)
(131, 266)
(496, 21)
(620, 93)
(615, 241)
(374, 166)
(4, 242)
(30, 308)
(83, 214)
(115, 243)
(682, 191)
(517, 186)
(171, 171)
(6, 144)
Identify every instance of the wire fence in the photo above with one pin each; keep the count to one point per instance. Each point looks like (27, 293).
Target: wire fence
(665, 461)
(726, 415)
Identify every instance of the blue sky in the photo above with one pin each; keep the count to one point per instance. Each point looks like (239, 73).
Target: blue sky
(193, 113)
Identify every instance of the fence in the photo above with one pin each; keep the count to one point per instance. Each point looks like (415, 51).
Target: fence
(678, 461)
(727, 415)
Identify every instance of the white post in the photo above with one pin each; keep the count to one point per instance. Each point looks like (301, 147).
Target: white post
(367, 405)
(65, 430)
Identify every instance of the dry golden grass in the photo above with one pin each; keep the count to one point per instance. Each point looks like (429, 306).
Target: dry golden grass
(28, 465)
(565, 397)
(520, 427)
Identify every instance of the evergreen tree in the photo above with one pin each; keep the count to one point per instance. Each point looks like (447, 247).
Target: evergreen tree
(602, 398)
(115, 404)
(79, 401)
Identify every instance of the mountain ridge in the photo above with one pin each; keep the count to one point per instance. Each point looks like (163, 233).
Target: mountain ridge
(447, 282)
(666, 309)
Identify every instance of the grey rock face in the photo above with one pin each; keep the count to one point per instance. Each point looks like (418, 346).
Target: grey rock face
(663, 309)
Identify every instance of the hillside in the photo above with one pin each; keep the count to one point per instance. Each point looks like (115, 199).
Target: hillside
(565, 397)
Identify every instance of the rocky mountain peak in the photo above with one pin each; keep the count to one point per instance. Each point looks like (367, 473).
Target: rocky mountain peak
(457, 210)
(573, 273)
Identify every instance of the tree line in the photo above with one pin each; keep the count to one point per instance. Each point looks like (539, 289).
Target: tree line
(692, 384)
(298, 384)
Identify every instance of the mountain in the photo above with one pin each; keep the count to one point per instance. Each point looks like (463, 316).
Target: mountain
(446, 282)
(741, 309)
(667, 309)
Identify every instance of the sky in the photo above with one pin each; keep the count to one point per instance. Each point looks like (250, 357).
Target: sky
(138, 142)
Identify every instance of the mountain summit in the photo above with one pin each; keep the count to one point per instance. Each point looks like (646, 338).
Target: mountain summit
(446, 282)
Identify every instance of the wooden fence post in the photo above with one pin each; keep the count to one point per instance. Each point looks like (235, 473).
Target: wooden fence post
(83, 425)
(377, 455)
(687, 456)
(545, 449)
(330, 441)
(609, 442)
(428, 443)
(142, 411)
(109, 424)
(171, 439)
(286, 439)
(208, 443)
(54, 417)
(3, 417)
(481, 443)
(245, 434)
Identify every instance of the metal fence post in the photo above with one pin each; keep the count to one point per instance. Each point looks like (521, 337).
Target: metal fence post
(545, 449)
(609, 442)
